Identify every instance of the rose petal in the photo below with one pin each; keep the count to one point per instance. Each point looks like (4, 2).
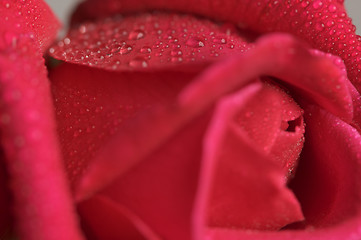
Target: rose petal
(300, 69)
(161, 189)
(93, 104)
(30, 145)
(327, 183)
(236, 177)
(105, 219)
(332, 206)
(283, 57)
(148, 42)
(33, 18)
(322, 23)
(262, 119)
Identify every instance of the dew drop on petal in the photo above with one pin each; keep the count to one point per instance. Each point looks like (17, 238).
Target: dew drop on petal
(125, 49)
(136, 34)
(138, 62)
(145, 49)
(195, 42)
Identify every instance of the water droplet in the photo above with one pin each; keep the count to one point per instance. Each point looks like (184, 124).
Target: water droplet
(66, 41)
(332, 8)
(317, 4)
(195, 42)
(82, 29)
(136, 35)
(176, 53)
(145, 50)
(176, 59)
(138, 62)
(220, 40)
(11, 39)
(319, 26)
(125, 49)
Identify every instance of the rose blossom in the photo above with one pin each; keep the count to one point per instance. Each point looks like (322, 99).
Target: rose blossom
(187, 123)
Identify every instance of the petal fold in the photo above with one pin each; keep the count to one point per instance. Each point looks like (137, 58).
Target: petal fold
(29, 141)
(149, 42)
(105, 219)
(324, 24)
(32, 18)
(316, 78)
(237, 177)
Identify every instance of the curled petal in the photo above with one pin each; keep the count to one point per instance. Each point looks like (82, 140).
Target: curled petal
(324, 24)
(165, 41)
(236, 177)
(282, 57)
(29, 141)
(331, 206)
(331, 153)
(92, 105)
(32, 18)
(131, 146)
(105, 219)
(161, 189)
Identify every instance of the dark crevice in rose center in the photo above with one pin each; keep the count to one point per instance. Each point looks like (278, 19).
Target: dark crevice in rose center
(293, 124)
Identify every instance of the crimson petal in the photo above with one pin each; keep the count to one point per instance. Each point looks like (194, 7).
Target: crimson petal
(105, 219)
(330, 142)
(131, 146)
(33, 18)
(148, 42)
(236, 177)
(31, 148)
(27, 125)
(90, 111)
(161, 189)
(322, 23)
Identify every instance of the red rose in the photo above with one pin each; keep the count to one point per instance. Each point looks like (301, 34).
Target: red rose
(173, 126)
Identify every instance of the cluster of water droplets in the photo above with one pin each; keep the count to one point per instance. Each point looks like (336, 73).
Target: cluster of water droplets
(137, 42)
(28, 17)
(79, 114)
(322, 23)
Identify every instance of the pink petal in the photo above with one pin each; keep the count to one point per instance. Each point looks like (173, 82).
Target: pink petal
(316, 77)
(148, 42)
(300, 69)
(237, 177)
(104, 219)
(265, 120)
(161, 189)
(93, 104)
(33, 18)
(322, 23)
(28, 136)
(327, 184)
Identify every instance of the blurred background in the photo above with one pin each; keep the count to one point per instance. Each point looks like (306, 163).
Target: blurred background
(63, 8)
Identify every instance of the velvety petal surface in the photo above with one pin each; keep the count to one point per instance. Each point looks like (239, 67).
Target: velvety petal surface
(324, 24)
